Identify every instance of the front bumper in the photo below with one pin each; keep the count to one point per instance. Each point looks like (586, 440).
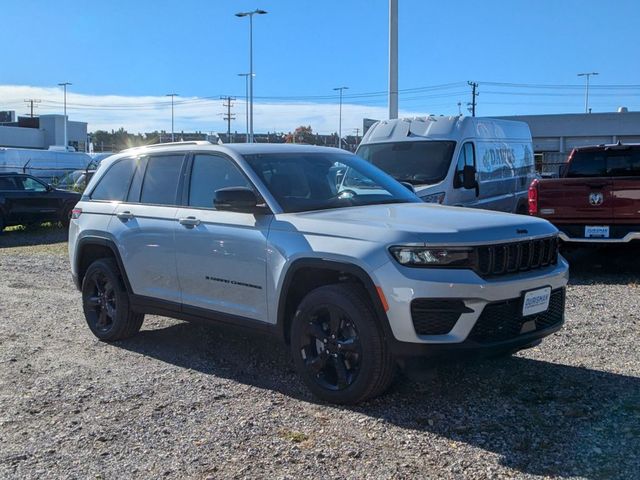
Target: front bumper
(401, 285)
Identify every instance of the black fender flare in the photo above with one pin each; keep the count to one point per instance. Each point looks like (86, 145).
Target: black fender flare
(336, 266)
(103, 242)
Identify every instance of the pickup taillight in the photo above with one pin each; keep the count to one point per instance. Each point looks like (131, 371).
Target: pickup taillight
(75, 213)
(533, 197)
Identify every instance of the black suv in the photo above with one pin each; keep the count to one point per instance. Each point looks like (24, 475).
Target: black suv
(27, 200)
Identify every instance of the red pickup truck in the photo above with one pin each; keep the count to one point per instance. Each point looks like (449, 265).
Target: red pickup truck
(597, 197)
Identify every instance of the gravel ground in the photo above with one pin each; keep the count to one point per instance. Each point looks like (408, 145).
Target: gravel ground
(184, 400)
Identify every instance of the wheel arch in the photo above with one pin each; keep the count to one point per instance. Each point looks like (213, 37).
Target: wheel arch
(92, 248)
(295, 286)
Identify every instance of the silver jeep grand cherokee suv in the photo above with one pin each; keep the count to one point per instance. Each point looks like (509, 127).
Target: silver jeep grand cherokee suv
(315, 246)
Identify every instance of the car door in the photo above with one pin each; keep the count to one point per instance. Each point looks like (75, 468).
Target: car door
(221, 255)
(143, 226)
(33, 202)
(463, 196)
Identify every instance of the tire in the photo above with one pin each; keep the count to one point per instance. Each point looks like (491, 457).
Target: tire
(338, 346)
(2, 224)
(105, 302)
(65, 220)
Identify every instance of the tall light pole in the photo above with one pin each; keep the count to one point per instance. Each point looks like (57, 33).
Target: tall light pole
(340, 89)
(257, 11)
(172, 95)
(586, 92)
(64, 86)
(393, 59)
(246, 100)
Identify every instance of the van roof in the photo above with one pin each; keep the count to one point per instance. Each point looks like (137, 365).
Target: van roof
(445, 128)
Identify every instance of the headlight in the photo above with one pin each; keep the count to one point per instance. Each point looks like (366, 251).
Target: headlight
(433, 198)
(433, 256)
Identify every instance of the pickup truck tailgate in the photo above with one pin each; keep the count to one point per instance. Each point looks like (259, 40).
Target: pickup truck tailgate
(577, 200)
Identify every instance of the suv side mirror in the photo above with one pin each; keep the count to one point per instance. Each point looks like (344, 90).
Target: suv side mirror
(49, 187)
(236, 199)
(469, 177)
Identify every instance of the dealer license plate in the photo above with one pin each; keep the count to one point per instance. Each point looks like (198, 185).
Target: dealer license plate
(596, 232)
(536, 301)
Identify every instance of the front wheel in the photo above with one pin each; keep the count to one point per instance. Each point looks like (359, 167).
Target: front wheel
(338, 347)
(106, 303)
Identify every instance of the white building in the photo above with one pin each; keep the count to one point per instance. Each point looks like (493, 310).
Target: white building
(43, 132)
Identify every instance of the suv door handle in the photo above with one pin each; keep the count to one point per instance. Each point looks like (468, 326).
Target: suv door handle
(189, 222)
(124, 216)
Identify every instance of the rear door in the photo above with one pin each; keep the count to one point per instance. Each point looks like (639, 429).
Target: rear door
(144, 227)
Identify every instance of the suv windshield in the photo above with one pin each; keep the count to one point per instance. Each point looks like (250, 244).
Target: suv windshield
(315, 181)
(419, 163)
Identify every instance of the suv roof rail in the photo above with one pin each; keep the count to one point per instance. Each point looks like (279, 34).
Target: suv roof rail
(171, 144)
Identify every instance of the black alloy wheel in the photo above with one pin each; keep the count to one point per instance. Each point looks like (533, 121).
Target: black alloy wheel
(338, 345)
(105, 302)
(331, 349)
(101, 303)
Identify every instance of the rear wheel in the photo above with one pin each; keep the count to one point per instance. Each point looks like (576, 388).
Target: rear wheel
(338, 346)
(106, 303)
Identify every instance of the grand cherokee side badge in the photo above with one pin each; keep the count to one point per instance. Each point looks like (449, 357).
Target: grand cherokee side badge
(596, 199)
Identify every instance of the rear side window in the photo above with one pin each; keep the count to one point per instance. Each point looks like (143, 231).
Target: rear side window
(114, 184)
(605, 163)
(210, 173)
(160, 184)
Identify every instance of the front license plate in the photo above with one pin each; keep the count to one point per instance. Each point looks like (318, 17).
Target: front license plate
(596, 232)
(536, 301)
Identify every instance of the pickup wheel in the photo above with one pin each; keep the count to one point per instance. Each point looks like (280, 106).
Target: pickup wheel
(106, 303)
(338, 347)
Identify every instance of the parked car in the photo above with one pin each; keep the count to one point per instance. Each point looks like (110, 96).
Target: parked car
(597, 197)
(27, 200)
(264, 236)
(461, 161)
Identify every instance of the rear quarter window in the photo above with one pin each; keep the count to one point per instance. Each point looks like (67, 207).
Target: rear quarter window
(114, 184)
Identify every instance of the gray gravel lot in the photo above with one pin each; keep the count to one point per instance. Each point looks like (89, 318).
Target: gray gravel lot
(185, 400)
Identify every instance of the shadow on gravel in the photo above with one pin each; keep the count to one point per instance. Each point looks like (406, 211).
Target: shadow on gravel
(540, 418)
(35, 235)
(611, 265)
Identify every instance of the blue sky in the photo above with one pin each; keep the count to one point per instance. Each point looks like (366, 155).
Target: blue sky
(123, 56)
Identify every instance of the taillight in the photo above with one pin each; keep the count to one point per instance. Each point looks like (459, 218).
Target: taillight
(533, 197)
(75, 213)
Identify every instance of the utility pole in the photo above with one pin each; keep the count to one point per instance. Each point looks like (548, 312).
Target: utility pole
(32, 101)
(357, 132)
(228, 116)
(340, 89)
(586, 92)
(393, 59)
(474, 94)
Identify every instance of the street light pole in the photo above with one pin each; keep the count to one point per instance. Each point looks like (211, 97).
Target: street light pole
(257, 11)
(393, 59)
(340, 89)
(586, 93)
(172, 95)
(246, 101)
(64, 86)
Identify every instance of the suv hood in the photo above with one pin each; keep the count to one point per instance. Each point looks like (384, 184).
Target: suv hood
(416, 223)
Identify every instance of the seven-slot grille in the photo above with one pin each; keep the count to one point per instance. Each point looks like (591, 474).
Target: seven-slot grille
(515, 257)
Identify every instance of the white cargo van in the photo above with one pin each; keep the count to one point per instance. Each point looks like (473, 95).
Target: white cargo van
(463, 161)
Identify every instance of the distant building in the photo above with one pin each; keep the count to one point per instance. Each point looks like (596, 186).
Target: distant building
(43, 132)
(554, 136)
